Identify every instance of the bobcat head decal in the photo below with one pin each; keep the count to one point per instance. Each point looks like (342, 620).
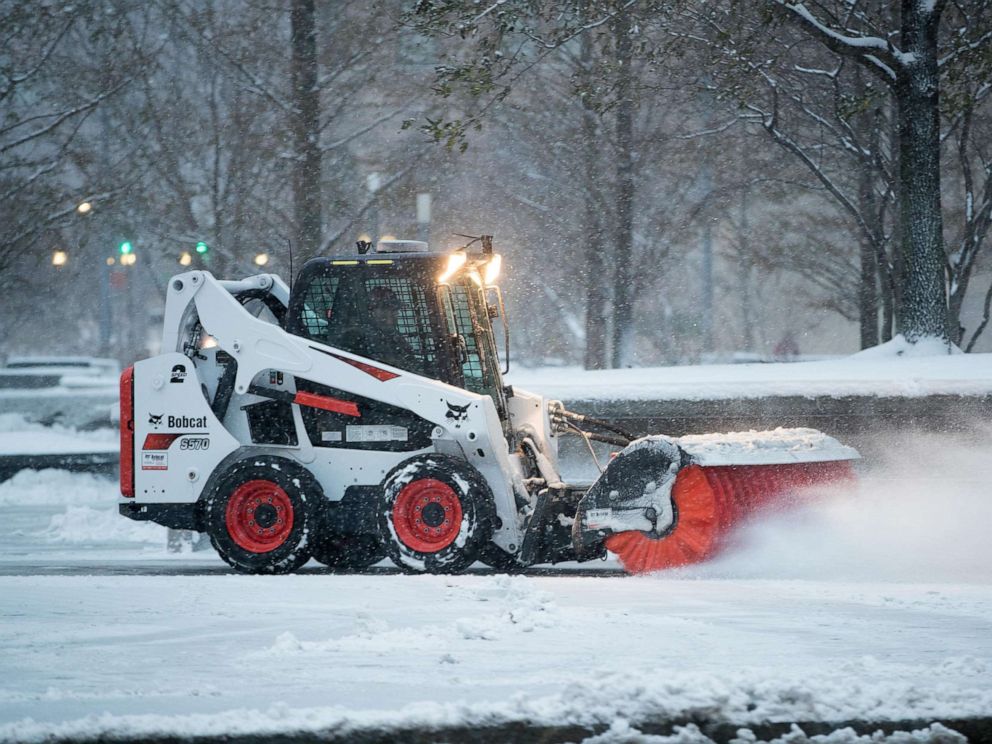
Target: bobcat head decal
(458, 413)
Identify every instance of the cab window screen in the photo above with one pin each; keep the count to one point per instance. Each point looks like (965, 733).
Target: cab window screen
(412, 318)
(318, 307)
(460, 318)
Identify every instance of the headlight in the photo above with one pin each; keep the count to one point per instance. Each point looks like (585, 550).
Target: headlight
(455, 262)
(492, 269)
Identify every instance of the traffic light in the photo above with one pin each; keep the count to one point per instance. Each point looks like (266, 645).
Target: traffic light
(125, 248)
(202, 248)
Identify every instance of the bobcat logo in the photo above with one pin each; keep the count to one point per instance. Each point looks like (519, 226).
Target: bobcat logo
(155, 420)
(457, 413)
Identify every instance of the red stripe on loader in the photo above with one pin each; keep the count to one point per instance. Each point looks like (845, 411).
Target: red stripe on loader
(326, 403)
(159, 441)
(379, 374)
(127, 433)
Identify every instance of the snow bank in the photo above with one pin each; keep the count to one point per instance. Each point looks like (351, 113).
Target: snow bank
(82, 524)
(900, 347)
(21, 436)
(894, 369)
(52, 486)
(616, 701)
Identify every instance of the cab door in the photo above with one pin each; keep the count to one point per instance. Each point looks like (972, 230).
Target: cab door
(466, 316)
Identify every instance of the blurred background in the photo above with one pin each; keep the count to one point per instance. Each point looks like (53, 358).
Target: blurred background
(140, 139)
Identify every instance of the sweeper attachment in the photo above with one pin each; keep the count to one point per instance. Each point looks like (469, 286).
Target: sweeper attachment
(364, 414)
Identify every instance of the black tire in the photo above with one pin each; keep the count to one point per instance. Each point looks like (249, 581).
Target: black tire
(260, 514)
(419, 515)
(348, 552)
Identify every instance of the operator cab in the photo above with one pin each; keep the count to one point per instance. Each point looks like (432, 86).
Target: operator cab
(404, 306)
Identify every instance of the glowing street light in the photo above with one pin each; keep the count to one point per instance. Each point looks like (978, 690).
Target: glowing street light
(129, 259)
(202, 248)
(261, 259)
(84, 207)
(185, 259)
(59, 259)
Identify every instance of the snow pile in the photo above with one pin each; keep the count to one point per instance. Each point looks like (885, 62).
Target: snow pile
(622, 732)
(21, 436)
(618, 701)
(52, 486)
(895, 369)
(82, 524)
(11, 422)
(900, 347)
(922, 515)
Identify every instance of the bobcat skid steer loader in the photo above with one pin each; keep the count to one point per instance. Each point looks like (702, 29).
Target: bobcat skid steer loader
(364, 414)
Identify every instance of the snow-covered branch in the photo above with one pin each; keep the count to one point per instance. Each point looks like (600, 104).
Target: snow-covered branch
(878, 55)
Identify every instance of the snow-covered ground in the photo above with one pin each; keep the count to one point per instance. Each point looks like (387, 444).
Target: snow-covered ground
(893, 369)
(874, 603)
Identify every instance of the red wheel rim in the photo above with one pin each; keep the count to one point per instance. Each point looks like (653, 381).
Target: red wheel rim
(259, 516)
(427, 515)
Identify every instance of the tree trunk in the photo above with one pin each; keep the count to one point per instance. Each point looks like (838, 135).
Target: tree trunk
(595, 264)
(623, 300)
(868, 282)
(923, 302)
(306, 128)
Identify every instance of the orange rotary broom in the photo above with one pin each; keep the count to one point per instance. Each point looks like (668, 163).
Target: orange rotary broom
(665, 502)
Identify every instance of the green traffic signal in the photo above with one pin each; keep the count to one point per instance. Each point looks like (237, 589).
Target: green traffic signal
(125, 248)
(202, 247)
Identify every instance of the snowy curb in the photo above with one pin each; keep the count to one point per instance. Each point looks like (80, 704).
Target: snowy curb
(596, 704)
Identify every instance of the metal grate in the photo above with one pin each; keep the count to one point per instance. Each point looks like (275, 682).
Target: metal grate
(462, 316)
(318, 307)
(412, 319)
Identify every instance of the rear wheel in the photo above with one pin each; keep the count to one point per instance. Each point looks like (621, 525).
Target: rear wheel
(259, 515)
(436, 515)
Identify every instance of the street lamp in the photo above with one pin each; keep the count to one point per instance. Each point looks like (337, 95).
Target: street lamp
(129, 259)
(261, 259)
(185, 259)
(84, 207)
(59, 259)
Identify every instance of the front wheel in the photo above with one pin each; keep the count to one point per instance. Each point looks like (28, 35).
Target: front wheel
(436, 514)
(259, 515)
